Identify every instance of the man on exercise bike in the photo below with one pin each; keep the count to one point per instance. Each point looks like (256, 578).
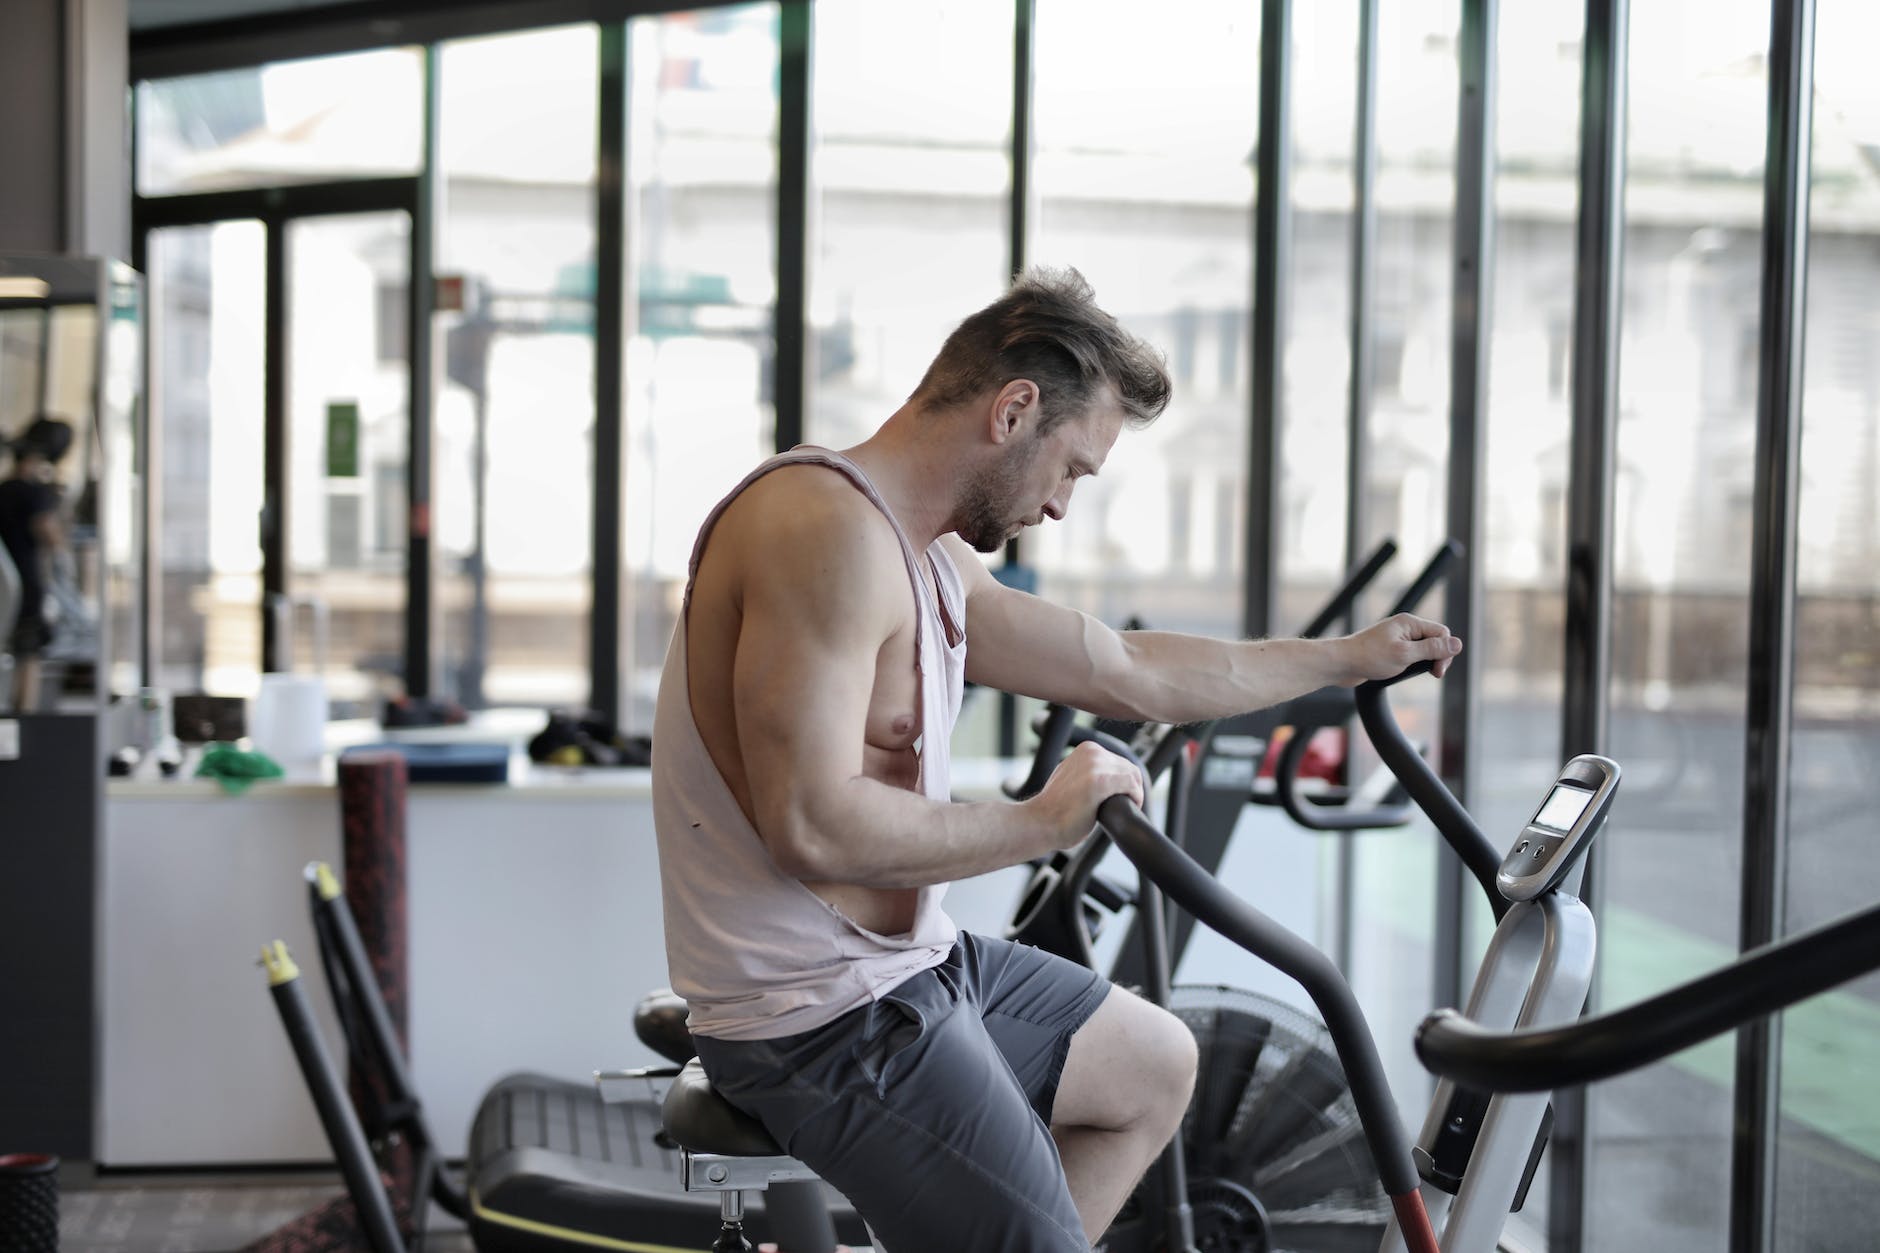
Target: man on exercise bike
(964, 1093)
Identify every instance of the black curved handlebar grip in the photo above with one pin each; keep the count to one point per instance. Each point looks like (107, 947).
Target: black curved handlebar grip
(1357, 581)
(1053, 738)
(1433, 571)
(1166, 749)
(1324, 817)
(1425, 788)
(1195, 890)
(1770, 979)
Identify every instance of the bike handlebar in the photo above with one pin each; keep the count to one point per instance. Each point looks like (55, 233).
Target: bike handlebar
(1769, 979)
(1193, 889)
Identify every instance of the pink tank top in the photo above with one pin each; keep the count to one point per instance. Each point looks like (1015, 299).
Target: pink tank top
(753, 951)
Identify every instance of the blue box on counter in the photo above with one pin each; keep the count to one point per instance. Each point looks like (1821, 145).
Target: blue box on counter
(448, 763)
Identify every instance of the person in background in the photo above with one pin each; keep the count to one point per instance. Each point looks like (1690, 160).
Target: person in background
(33, 533)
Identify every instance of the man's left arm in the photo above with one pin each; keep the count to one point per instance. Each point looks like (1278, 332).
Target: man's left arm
(1021, 643)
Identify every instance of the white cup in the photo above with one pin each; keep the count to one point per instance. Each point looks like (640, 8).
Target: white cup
(288, 719)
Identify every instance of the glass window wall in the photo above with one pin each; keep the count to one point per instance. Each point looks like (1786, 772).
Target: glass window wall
(1698, 91)
(352, 116)
(1145, 132)
(1829, 1146)
(910, 173)
(513, 501)
(701, 211)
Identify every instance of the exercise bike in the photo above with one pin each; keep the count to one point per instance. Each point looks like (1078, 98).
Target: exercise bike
(1477, 1154)
(731, 1153)
(1261, 1060)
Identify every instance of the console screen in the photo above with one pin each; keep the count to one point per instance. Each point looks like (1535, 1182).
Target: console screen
(1563, 808)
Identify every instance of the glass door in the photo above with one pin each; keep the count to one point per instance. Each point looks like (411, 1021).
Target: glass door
(347, 398)
(281, 414)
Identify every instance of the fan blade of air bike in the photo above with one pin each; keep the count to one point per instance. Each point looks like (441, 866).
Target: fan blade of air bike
(1232, 1044)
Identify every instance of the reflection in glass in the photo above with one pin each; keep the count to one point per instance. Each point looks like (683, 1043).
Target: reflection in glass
(1317, 359)
(348, 388)
(701, 183)
(1144, 136)
(206, 328)
(1685, 478)
(911, 170)
(348, 116)
(515, 417)
(1829, 1138)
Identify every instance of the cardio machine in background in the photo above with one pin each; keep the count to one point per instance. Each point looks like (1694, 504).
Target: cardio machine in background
(1232, 760)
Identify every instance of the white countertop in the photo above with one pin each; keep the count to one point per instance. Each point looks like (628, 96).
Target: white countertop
(973, 778)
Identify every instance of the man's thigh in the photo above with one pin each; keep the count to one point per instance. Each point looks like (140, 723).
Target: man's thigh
(918, 1120)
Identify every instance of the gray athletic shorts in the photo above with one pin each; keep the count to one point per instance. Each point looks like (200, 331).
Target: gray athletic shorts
(929, 1108)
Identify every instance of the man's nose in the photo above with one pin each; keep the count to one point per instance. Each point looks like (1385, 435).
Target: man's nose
(1054, 508)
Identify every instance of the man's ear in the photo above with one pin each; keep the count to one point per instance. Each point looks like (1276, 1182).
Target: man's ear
(1015, 407)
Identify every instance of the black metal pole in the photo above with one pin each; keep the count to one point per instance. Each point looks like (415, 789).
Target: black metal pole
(1587, 633)
(420, 574)
(1272, 228)
(476, 659)
(791, 315)
(1018, 242)
(1473, 268)
(605, 638)
(1772, 603)
(149, 471)
(1360, 393)
(1018, 208)
(274, 453)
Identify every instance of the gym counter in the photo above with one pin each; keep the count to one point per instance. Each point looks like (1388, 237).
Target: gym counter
(534, 927)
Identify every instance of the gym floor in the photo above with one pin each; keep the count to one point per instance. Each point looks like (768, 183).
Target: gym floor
(188, 1212)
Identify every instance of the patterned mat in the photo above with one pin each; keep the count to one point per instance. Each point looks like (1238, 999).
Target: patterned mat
(196, 1217)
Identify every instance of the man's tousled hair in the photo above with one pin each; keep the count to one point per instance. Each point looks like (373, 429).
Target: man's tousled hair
(1048, 329)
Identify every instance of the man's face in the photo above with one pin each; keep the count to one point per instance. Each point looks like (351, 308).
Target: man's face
(1034, 478)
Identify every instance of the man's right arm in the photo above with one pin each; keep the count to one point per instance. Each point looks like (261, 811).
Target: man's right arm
(822, 588)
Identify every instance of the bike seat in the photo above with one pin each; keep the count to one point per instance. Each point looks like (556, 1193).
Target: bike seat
(659, 1021)
(699, 1119)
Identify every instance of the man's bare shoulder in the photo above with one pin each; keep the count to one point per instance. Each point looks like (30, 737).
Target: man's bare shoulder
(807, 524)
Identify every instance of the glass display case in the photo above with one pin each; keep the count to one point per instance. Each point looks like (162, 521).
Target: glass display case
(71, 424)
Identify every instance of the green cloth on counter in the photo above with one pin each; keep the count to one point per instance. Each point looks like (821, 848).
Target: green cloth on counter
(236, 769)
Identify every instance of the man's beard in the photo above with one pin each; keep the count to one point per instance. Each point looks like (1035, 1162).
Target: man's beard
(985, 506)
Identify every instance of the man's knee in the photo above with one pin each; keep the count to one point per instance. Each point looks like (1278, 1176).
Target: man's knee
(1131, 1063)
